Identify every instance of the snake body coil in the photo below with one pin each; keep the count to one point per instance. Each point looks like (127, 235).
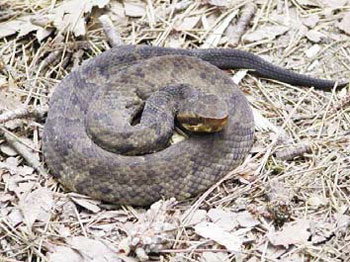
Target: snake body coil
(131, 74)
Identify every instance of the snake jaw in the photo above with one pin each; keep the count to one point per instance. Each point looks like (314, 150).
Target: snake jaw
(202, 125)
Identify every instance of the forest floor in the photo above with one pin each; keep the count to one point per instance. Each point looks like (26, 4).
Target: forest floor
(290, 199)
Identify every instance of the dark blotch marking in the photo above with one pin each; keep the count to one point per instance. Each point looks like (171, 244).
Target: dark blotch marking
(228, 81)
(177, 64)
(80, 187)
(126, 148)
(203, 75)
(74, 99)
(105, 190)
(139, 72)
(104, 71)
(124, 79)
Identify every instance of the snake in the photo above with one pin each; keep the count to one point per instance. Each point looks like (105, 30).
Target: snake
(133, 96)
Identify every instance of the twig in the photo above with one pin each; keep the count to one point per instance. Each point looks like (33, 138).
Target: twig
(24, 112)
(23, 150)
(112, 34)
(342, 104)
(268, 150)
(50, 59)
(235, 32)
(291, 151)
(5, 259)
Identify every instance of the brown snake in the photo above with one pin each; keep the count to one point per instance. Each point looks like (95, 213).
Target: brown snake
(88, 139)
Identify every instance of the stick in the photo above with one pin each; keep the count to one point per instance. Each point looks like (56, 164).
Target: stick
(235, 32)
(112, 34)
(23, 112)
(26, 153)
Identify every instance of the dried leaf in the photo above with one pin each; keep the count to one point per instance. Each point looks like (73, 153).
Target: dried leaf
(267, 32)
(343, 223)
(83, 249)
(237, 77)
(333, 3)
(262, 123)
(21, 25)
(311, 21)
(10, 164)
(246, 219)
(215, 257)
(308, 2)
(70, 15)
(42, 33)
(345, 23)
(36, 206)
(316, 201)
(287, 236)
(188, 23)
(314, 36)
(85, 202)
(224, 219)
(93, 250)
(216, 233)
(214, 38)
(15, 217)
(7, 150)
(134, 9)
(222, 3)
(195, 217)
(312, 51)
(61, 254)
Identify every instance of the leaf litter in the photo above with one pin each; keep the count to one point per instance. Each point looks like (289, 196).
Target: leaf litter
(253, 213)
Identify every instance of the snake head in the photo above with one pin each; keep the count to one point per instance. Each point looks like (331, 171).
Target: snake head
(203, 113)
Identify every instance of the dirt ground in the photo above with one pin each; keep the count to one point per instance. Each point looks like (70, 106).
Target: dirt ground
(290, 199)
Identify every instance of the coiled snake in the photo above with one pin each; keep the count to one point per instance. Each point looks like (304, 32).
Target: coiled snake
(88, 139)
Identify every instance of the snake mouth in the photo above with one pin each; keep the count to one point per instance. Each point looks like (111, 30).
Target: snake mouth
(201, 124)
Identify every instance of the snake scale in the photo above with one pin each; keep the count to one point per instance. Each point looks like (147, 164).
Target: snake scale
(131, 74)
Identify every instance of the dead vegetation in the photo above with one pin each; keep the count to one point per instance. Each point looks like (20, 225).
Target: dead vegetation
(289, 201)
